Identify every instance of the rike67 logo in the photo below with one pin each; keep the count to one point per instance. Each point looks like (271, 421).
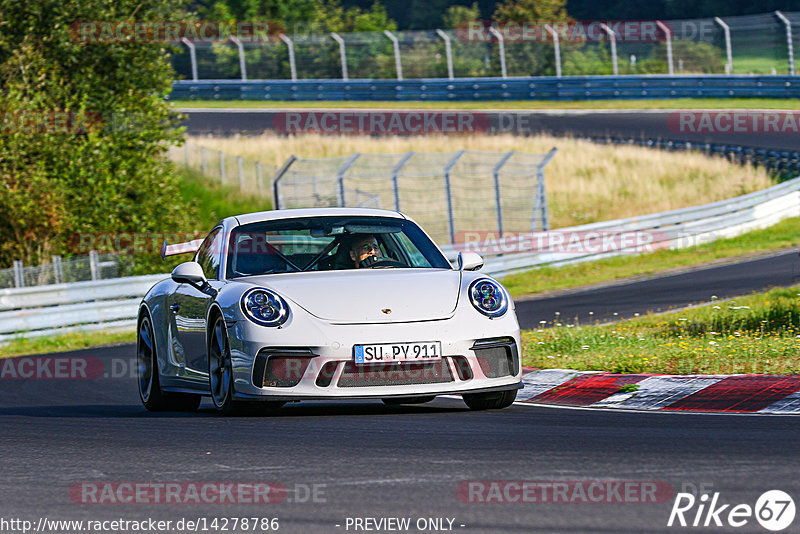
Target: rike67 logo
(774, 510)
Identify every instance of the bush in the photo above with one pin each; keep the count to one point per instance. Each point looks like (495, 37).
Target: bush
(108, 175)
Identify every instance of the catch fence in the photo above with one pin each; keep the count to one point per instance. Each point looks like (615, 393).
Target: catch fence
(751, 44)
(447, 193)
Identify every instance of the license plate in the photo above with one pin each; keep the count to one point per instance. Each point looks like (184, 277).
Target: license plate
(398, 352)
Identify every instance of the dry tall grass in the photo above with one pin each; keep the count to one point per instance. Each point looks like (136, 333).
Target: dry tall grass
(586, 182)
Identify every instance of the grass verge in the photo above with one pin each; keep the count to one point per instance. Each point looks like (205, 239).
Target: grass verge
(678, 103)
(586, 182)
(781, 235)
(754, 334)
(64, 342)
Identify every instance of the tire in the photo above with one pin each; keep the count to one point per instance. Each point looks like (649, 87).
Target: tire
(396, 401)
(148, 379)
(220, 373)
(496, 400)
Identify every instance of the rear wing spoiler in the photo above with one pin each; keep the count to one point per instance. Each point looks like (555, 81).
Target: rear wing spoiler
(180, 248)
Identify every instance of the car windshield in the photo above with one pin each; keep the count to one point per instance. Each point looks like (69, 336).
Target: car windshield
(328, 244)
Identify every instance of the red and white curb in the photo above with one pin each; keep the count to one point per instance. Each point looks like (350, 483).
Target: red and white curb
(768, 394)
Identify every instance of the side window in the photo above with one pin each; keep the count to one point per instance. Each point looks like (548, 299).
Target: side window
(208, 254)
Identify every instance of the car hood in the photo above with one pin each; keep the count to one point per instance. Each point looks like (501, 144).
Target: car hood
(370, 295)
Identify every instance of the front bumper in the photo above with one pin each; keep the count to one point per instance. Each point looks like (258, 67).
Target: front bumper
(281, 364)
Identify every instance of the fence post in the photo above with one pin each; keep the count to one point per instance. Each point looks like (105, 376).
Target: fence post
(789, 43)
(342, 54)
(727, 30)
(292, 65)
(203, 160)
(498, 204)
(540, 204)
(94, 268)
(557, 46)
(242, 66)
(613, 36)
(259, 185)
(398, 65)
(340, 177)
(19, 279)
(448, 52)
(192, 57)
(239, 163)
(395, 173)
(58, 270)
(278, 175)
(221, 167)
(502, 46)
(668, 33)
(448, 192)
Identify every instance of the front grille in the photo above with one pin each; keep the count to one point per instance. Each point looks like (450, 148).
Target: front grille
(280, 368)
(354, 376)
(497, 357)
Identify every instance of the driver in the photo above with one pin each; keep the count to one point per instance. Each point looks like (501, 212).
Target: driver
(365, 251)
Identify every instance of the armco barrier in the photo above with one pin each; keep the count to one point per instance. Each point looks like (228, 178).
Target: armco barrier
(533, 88)
(47, 310)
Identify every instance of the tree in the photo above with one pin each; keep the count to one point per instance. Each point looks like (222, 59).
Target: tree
(103, 168)
(531, 10)
(455, 15)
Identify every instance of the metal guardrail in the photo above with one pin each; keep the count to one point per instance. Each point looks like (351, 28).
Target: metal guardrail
(670, 229)
(114, 303)
(62, 308)
(527, 88)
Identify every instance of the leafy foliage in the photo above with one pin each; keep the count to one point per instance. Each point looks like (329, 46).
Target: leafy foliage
(108, 175)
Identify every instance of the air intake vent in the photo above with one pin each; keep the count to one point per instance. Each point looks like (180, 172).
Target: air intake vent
(280, 368)
(355, 376)
(497, 357)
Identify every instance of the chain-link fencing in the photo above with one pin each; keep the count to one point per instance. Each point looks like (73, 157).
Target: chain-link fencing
(751, 44)
(249, 176)
(74, 269)
(448, 193)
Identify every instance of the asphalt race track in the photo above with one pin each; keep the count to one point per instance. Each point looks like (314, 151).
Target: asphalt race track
(664, 293)
(374, 461)
(342, 461)
(636, 124)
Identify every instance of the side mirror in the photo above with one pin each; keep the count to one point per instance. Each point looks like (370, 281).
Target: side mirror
(469, 261)
(189, 272)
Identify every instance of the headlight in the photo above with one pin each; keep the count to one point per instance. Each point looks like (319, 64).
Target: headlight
(264, 307)
(488, 297)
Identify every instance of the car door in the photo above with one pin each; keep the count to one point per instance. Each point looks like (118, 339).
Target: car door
(190, 305)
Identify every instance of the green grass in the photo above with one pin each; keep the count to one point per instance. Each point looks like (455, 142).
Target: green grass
(205, 202)
(782, 235)
(678, 103)
(754, 334)
(212, 201)
(64, 342)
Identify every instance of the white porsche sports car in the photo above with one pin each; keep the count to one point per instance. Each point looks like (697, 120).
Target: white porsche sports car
(329, 303)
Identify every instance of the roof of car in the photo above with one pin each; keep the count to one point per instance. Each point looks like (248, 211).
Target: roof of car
(314, 212)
